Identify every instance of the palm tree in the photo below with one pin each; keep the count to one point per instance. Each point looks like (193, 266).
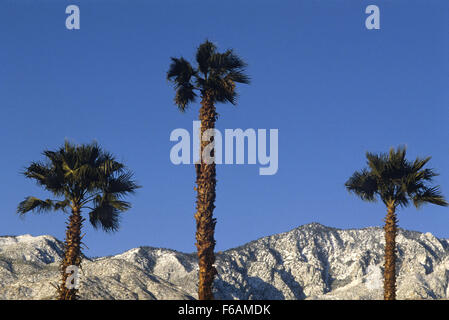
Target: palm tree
(215, 79)
(397, 182)
(80, 177)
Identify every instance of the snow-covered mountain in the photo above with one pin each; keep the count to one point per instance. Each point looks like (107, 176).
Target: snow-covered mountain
(309, 262)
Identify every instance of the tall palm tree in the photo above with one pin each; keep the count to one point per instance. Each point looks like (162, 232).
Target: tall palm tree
(215, 79)
(397, 182)
(80, 177)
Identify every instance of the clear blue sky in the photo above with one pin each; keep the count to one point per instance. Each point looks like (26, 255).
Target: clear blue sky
(333, 89)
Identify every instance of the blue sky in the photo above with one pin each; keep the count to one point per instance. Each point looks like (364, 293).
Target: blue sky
(333, 89)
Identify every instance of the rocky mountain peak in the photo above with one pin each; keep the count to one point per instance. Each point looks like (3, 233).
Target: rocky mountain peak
(312, 261)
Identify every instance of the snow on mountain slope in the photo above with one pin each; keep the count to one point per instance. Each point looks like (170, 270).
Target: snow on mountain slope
(309, 262)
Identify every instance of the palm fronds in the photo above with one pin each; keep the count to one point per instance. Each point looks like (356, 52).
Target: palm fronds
(391, 177)
(80, 175)
(217, 73)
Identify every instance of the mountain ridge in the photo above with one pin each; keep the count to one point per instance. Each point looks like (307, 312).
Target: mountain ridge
(311, 261)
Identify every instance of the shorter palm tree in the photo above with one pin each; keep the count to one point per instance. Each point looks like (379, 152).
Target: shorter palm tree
(81, 177)
(397, 182)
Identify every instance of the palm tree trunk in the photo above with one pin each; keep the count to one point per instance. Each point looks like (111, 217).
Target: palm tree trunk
(205, 223)
(72, 254)
(390, 257)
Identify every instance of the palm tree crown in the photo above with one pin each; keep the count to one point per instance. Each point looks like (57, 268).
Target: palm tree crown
(392, 178)
(216, 73)
(81, 177)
